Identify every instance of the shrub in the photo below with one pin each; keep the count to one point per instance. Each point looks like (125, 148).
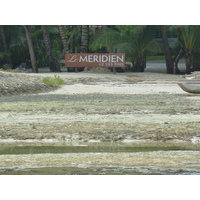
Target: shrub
(53, 81)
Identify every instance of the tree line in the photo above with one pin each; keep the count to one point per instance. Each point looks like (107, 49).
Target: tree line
(46, 45)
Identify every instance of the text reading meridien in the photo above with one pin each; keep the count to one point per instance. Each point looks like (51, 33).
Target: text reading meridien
(95, 60)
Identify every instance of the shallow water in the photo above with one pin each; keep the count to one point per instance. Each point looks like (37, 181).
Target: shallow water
(82, 169)
(67, 171)
(37, 148)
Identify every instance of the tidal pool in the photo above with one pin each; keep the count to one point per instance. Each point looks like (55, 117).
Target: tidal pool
(100, 158)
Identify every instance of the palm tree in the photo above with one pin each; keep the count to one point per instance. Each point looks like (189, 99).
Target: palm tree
(64, 39)
(135, 41)
(167, 51)
(5, 46)
(84, 38)
(53, 63)
(142, 45)
(187, 38)
(17, 44)
(31, 48)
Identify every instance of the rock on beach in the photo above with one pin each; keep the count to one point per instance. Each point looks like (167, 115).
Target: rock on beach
(19, 83)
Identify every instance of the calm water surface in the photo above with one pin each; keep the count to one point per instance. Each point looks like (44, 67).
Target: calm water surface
(24, 148)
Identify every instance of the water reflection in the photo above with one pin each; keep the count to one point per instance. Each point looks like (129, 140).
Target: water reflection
(117, 170)
(39, 148)
(97, 147)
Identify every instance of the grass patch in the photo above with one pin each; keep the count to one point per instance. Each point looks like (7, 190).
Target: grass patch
(55, 81)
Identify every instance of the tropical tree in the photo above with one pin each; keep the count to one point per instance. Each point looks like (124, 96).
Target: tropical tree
(31, 48)
(65, 41)
(106, 38)
(176, 61)
(53, 63)
(187, 37)
(17, 44)
(135, 41)
(5, 52)
(84, 38)
(167, 51)
(142, 45)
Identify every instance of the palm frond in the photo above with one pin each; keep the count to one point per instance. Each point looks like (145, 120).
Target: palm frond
(126, 48)
(189, 35)
(53, 29)
(108, 37)
(153, 47)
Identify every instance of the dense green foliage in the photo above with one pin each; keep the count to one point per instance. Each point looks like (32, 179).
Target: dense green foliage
(138, 42)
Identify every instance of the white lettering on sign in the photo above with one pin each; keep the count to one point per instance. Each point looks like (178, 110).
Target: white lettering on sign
(90, 58)
(95, 60)
(82, 59)
(100, 58)
(113, 58)
(104, 58)
(73, 59)
(118, 58)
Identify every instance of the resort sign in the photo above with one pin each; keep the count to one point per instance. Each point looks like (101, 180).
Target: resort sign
(95, 60)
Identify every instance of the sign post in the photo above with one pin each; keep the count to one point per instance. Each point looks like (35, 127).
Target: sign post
(109, 60)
